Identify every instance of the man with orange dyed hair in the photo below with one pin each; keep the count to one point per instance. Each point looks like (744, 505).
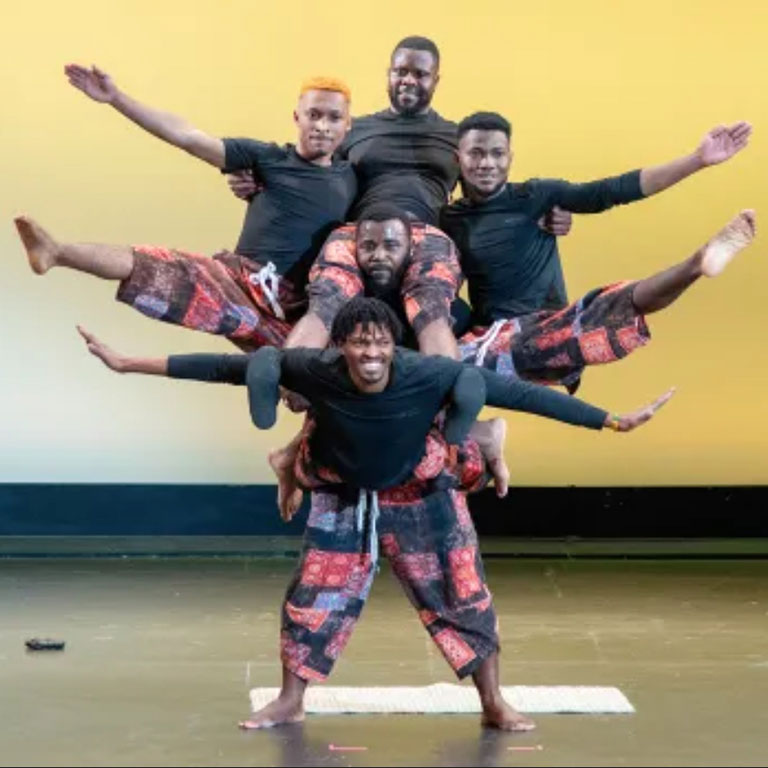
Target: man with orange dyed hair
(254, 295)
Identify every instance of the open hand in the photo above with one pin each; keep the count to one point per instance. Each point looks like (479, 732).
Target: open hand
(92, 82)
(723, 142)
(630, 421)
(106, 354)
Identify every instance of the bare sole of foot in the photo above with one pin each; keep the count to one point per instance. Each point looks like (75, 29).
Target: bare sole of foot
(506, 718)
(40, 246)
(732, 238)
(289, 495)
(275, 713)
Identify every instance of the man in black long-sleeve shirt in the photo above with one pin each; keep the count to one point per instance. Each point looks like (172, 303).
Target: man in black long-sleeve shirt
(525, 325)
(367, 394)
(405, 156)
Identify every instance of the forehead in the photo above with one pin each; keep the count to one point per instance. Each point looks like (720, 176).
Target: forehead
(325, 101)
(477, 139)
(371, 331)
(412, 59)
(392, 229)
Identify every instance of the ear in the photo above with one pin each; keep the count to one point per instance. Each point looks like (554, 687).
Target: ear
(295, 117)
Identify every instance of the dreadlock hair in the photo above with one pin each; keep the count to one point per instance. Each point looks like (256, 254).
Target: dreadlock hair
(385, 212)
(367, 313)
(416, 43)
(485, 121)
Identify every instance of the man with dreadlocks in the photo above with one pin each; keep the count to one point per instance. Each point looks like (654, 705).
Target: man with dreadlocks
(367, 392)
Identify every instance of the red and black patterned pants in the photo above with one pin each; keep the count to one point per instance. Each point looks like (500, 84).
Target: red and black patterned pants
(554, 347)
(428, 537)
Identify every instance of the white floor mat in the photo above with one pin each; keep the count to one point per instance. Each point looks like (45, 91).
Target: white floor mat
(451, 698)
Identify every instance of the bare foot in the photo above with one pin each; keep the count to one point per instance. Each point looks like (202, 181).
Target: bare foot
(732, 238)
(490, 436)
(505, 717)
(277, 712)
(289, 495)
(41, 248)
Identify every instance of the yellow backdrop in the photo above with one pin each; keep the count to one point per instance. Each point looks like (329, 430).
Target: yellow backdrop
(592, 88)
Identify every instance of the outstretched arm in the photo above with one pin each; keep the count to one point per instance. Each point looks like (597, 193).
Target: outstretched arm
(155, 366)
(225, 369)
(518, 395)
(99, 86)
(719, 145)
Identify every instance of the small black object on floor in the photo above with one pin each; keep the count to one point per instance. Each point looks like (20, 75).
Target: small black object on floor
(44, 644)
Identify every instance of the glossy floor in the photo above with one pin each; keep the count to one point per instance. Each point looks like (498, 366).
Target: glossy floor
(161, 653)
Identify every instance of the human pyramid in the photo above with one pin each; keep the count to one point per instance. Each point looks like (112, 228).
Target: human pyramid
(342, 290)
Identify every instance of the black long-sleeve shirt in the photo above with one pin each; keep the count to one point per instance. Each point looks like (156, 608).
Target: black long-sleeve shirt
(375, 440)
(513, 267)
(408, 160)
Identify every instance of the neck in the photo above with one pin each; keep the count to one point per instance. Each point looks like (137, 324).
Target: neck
(411, 114)
(476, 196)
(314, 159)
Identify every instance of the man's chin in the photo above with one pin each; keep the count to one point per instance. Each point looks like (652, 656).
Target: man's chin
(380, 289)
(486, 190)
(409, 107)
(313, 151)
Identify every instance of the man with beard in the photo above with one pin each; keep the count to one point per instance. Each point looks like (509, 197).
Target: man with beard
(252, 296)
(368, 393)
(406, 156)
(526, 326)
(375, 257)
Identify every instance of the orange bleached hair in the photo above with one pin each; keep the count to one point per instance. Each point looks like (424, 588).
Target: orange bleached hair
(322, 83)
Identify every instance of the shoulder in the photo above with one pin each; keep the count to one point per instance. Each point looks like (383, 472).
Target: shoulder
(263, 150)
(443, 123)
(414, 365)
(367, 123)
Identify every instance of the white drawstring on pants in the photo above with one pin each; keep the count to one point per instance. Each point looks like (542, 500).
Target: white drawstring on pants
(487, 339)
(364, 504)
(269, 279)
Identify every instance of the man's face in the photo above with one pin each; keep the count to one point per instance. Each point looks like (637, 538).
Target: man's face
(382, 248)
(413, 77)
(484, 158)
(368, 351)
(323, 120)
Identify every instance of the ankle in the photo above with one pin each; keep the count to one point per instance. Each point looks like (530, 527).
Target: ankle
(491, 699)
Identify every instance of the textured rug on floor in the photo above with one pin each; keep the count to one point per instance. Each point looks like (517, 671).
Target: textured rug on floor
(444, 698)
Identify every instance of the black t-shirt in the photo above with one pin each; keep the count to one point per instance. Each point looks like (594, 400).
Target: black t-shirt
(301, 203)
(409, 161)
(375, 441)
(512, 266)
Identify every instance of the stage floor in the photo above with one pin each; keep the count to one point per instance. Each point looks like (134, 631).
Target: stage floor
(161, 654)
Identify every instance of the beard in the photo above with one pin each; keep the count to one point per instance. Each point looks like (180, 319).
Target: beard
(423, 99)
(387, 290)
